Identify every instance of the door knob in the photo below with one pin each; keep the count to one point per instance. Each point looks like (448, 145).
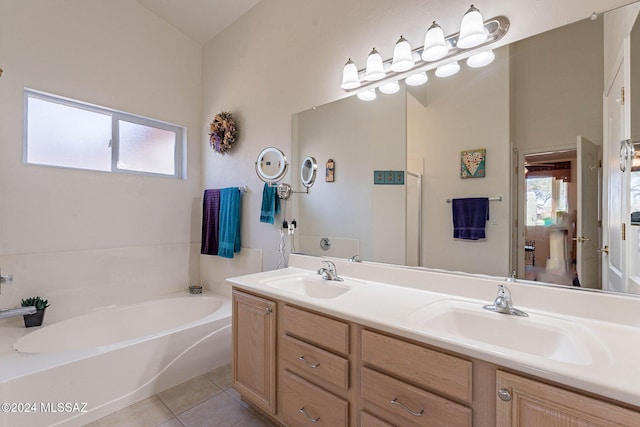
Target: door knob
(604, 250)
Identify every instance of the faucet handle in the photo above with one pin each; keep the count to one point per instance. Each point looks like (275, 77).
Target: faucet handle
(330, 265)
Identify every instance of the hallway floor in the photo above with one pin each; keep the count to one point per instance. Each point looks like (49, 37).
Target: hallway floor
(207, 400)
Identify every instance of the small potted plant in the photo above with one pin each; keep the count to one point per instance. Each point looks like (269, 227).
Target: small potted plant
(36, 318)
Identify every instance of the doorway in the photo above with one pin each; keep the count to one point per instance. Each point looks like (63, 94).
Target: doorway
(550, 216)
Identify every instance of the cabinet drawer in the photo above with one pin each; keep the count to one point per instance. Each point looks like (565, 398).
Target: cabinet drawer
(436, 371)
(304, 404)
(368, 420)
(317, 329)
(316, 362)
(410, 403)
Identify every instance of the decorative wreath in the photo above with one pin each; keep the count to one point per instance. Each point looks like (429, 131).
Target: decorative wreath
(223, 132)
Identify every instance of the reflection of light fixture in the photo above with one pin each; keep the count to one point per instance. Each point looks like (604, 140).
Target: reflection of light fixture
(375, 68)
(472, 31)
(481, 59)
(389, 88)
(367, 95)
(417, 79)
(435, 46)
(447, 70)
(439, 52)
(402, 56)
(350, 78)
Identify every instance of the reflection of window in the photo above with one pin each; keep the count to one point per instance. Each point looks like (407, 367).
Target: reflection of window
(67, 133)
(546, 197)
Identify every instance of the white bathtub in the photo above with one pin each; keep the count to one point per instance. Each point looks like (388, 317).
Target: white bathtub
(77, 370)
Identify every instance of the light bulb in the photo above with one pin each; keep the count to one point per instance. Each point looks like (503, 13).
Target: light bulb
(472, 31)
(350, 78)
(375, 68)
(417, 79)
(367, 95)
(402, 56)
(435, 45)
(447, 70)
(389, 88)
(481, 59)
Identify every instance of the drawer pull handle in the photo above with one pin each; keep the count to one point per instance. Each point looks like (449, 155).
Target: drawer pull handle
(311, 365)
(313, 420)
(395, 401)
(504, 395)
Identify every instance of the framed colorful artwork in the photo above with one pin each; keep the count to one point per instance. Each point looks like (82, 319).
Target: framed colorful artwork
(472, 163)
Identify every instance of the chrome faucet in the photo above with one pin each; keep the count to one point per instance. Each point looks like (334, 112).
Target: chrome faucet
(329, 272)
(12, 312)
(355, 258)
(503, 303)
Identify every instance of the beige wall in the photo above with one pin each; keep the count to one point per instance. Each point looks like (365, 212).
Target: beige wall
(82, 238)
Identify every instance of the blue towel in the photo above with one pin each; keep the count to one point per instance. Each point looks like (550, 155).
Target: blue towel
(210, 222)
(470, 217)
(270, 204)
(229, 222)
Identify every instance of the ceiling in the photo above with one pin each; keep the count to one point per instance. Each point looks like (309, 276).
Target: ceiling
(201, 20)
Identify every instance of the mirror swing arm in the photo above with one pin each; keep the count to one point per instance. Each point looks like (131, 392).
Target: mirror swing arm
(271, 166)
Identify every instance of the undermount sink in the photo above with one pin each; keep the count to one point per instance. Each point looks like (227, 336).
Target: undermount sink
(309, 285)
(538, 335)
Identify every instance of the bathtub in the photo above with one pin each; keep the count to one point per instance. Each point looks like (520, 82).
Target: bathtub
(77, 370)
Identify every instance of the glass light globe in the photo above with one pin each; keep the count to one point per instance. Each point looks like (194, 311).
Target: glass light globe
(375, 68)
(402, 56)
(389, 88)
(447, 70)
(472, 31)
(435, 45)
(481, 59)
(417, 79)
(367, 95)
(350, 78)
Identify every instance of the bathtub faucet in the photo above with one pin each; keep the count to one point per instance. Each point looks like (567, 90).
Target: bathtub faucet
(5, 313)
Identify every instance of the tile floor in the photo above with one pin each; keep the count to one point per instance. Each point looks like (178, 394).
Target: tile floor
(204, 401)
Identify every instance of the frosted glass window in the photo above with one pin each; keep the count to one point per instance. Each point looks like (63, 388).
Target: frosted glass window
(146, 149)
(68, 133)
(60, 135)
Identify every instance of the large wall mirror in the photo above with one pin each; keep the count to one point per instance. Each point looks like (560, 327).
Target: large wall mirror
(536, 110)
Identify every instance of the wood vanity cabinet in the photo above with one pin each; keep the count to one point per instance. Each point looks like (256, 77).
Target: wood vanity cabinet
(304, 368)
(525, 402)
(254, 349)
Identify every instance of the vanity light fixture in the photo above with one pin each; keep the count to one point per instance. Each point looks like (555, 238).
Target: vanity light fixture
(375, 67)
(402, 56)
(472, 43)
(472, 31)
(447, 70)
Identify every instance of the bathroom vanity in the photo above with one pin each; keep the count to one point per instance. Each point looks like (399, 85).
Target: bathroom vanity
(397, 346)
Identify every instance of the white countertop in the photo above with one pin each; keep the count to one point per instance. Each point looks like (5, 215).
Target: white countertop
(384, 297)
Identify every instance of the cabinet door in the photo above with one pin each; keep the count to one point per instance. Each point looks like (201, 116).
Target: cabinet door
(254, 349)
(523, 402)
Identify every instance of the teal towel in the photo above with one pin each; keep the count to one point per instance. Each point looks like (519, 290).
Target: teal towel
(270, 204)
(229, 222)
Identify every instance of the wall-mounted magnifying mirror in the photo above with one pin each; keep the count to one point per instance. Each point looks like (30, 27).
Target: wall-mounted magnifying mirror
(271, 165)
(308, 171)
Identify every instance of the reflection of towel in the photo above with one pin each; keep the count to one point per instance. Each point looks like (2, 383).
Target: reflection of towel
(229, 222)
(210, 221)
(270, 204)
(470, 217)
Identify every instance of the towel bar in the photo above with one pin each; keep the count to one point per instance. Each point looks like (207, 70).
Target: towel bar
(492, 199)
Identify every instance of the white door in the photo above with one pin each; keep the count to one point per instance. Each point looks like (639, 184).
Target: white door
(587, 239)
(613, 263)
